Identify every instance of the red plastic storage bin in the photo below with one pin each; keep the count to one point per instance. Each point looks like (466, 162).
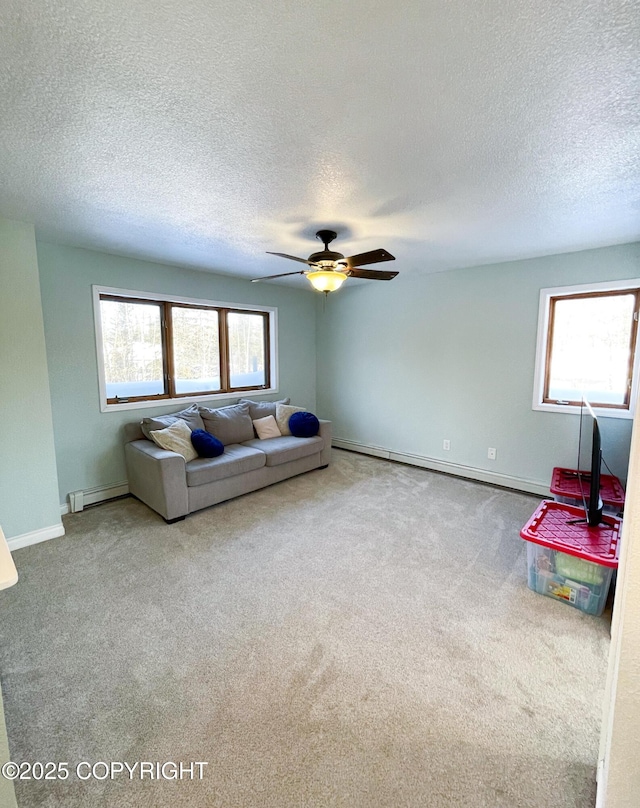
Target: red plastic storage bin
(568, 560)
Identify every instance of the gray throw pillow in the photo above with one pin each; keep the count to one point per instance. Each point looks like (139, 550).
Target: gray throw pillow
(262, 409)
(229, 424)
(191, 416)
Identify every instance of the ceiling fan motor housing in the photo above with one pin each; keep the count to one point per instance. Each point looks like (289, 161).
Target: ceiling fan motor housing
(326, 255)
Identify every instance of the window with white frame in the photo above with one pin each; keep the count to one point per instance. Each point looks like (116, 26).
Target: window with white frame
(154, 348)
(586, 348)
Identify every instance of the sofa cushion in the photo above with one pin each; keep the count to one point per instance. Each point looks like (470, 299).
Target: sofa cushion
(175, 438)
(206, 444)
(191, 416)
(260, 409)
(282, 450)
(283, 413)
(304, 424)
(229, 424)
(235, 460)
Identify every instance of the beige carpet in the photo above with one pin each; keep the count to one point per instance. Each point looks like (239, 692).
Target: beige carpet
(360, 636)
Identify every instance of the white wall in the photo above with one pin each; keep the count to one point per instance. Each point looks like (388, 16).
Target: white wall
(405, 364)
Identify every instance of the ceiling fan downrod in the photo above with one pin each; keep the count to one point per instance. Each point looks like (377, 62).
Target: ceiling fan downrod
(326, 237)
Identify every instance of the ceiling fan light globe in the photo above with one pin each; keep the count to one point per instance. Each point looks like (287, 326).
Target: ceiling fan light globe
(326, 280)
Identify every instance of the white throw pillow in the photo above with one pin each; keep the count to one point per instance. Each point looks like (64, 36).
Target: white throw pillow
(176, 438)
(267, 427)
(283, 413)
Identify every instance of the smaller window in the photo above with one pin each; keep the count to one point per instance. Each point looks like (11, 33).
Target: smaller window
(195, 350)
(587, 347)
(132, 343)
(248, 339)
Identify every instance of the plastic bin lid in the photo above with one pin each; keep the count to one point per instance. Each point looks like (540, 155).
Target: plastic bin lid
(566, 483)
(550, 526)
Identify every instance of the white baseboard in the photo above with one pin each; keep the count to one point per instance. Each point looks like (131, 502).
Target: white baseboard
(601, 780)
(91, 496)
(36, 536)
(457, 469)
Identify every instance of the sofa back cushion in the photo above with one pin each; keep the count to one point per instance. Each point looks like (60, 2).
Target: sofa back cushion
(191, 416)
(262, 409)
(229, 424)
(133, 431)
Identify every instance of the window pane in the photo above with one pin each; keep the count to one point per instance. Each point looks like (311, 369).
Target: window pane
(590, 349)
(132, 345)
(246, 349)
(196, 350)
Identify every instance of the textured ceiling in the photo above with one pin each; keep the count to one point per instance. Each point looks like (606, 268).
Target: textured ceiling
(450, 132)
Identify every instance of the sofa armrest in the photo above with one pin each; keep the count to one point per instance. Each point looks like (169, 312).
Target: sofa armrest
(325, 433)
(157, 477)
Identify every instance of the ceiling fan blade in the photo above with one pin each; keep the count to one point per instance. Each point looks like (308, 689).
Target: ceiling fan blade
(371, 257)
(283, 275)
(371, 274)
(292, 258)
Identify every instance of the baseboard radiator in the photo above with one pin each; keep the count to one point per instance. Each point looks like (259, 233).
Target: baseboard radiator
(79, 500)
(457, 469)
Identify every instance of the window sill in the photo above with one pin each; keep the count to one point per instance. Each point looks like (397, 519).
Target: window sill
(186, 400)
(570, 409)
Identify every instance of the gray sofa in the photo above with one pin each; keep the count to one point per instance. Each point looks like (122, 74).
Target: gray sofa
(175, 488)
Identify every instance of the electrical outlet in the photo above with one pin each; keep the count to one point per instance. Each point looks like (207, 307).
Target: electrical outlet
(491, 454)
(446, 444)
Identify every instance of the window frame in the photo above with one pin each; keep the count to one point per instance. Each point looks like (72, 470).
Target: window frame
(543, 347)
(270, 314)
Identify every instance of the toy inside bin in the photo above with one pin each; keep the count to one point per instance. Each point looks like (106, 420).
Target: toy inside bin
(569, 561)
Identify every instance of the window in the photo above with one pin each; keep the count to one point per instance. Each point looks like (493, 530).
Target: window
(587, 348)
(156, 349)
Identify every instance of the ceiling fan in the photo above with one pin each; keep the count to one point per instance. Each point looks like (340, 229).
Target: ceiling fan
(327, 270)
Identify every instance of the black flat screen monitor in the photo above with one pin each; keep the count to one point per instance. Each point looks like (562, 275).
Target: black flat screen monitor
(590, 457)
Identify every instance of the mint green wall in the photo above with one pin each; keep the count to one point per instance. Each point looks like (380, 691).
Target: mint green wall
(406, 364)
(28, 477)
(400, 365)
(88, 442)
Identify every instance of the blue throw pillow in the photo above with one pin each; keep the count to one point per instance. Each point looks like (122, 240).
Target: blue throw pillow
(206, 444)
(304, 424)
